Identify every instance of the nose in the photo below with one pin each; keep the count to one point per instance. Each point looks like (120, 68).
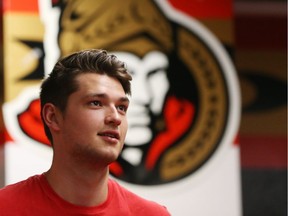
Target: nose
(112, 117)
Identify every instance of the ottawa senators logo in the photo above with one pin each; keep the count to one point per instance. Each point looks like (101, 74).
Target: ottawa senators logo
(180, 109)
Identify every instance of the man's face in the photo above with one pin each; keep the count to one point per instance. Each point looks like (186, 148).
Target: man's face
(149, 88)
(94, 124)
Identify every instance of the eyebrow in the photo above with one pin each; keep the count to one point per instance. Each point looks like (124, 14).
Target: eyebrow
(103, 95)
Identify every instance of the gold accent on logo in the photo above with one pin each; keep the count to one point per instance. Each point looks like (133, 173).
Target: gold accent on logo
(19, 60)
(200, 143)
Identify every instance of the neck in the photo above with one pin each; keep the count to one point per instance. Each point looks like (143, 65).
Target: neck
(79, 185)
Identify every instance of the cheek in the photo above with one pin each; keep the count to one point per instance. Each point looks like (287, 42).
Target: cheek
(81, 122)
(124, 127)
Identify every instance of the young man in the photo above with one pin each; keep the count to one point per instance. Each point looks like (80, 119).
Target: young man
(83, 106)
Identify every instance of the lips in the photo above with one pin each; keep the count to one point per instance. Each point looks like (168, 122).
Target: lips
(110, 134)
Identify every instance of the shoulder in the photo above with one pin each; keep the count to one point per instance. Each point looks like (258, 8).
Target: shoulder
(18, 190)
(138, 204)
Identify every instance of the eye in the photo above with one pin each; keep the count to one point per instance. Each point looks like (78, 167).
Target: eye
(122, 108)
(95, 103)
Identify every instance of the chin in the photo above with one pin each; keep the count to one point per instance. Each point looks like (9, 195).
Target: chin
(112, 156)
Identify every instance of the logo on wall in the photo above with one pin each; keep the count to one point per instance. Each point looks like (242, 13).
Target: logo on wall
(180, 110)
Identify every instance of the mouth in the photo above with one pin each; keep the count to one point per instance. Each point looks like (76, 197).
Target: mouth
(110, 134)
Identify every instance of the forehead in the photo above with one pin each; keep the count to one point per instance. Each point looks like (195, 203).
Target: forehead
(94, 82)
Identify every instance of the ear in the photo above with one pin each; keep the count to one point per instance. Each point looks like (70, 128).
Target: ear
(51, 115)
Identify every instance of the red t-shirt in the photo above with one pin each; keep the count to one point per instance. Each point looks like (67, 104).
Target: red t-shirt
(34, 196)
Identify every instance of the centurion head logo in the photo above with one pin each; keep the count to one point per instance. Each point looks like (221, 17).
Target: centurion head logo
(181, 107)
